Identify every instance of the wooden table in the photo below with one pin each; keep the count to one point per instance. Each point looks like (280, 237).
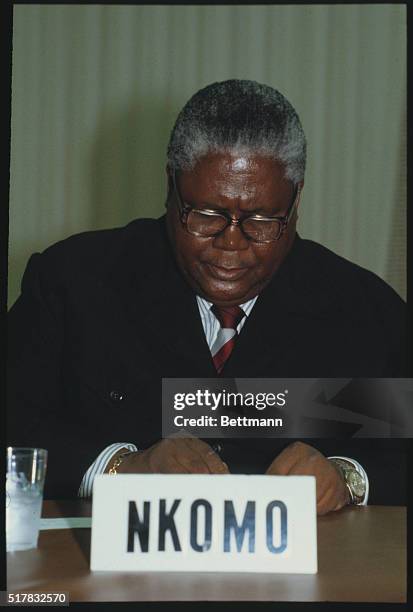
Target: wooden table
(361, 552)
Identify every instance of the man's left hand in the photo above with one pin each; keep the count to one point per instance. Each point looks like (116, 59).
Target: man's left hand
(305, 460)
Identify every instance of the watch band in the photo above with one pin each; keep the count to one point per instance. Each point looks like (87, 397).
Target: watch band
(353, 478)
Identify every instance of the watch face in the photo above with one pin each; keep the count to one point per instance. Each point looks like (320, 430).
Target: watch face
(356, 482)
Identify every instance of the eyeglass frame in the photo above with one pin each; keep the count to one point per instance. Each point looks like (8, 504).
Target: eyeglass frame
(185, 209)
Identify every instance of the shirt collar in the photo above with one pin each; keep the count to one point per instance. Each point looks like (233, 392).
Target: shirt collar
(246, 306)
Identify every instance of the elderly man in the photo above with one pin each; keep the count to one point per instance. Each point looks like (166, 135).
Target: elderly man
(220, 286)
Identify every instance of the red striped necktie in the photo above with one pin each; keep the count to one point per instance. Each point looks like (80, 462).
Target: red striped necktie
(229, 318)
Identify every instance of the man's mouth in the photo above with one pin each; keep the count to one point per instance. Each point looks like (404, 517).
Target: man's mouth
(226, 273)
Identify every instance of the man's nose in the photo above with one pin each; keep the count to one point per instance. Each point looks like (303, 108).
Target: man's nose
(231, 239)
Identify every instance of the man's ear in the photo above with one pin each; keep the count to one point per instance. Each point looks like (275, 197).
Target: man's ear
(300, 187)
(169, 185)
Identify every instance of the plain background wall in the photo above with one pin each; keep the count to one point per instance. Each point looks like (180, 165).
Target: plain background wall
(96, 89)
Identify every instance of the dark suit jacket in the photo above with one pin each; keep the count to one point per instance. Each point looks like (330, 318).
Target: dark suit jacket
(104, 315)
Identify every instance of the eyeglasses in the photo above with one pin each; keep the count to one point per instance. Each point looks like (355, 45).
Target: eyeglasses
(207, 223)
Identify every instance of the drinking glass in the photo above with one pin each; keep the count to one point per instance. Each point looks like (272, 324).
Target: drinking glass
(26, 471)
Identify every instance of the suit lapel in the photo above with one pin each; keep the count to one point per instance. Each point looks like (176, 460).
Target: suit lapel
(173, 323)
(266, 334)
(279, 322)
(159, 309)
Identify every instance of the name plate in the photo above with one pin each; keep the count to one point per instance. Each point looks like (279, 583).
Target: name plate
(205, 523)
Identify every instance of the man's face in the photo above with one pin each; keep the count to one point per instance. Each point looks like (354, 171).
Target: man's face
(229, 269)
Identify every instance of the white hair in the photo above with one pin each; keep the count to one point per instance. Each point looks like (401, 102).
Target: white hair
(239, 117)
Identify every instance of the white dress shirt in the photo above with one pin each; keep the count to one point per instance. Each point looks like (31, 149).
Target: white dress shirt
(211, 327)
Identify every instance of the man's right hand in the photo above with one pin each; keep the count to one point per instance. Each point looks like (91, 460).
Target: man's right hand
(174, 456)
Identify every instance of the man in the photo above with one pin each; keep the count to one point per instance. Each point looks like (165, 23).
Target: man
(221, 286)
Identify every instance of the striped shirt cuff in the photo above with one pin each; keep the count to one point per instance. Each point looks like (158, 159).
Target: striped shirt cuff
(99, 466)
(362, 471)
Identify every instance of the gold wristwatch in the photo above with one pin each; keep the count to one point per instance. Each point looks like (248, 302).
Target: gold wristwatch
(355, 481)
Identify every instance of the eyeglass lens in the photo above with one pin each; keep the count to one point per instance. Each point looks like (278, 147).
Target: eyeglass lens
(209, 225)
